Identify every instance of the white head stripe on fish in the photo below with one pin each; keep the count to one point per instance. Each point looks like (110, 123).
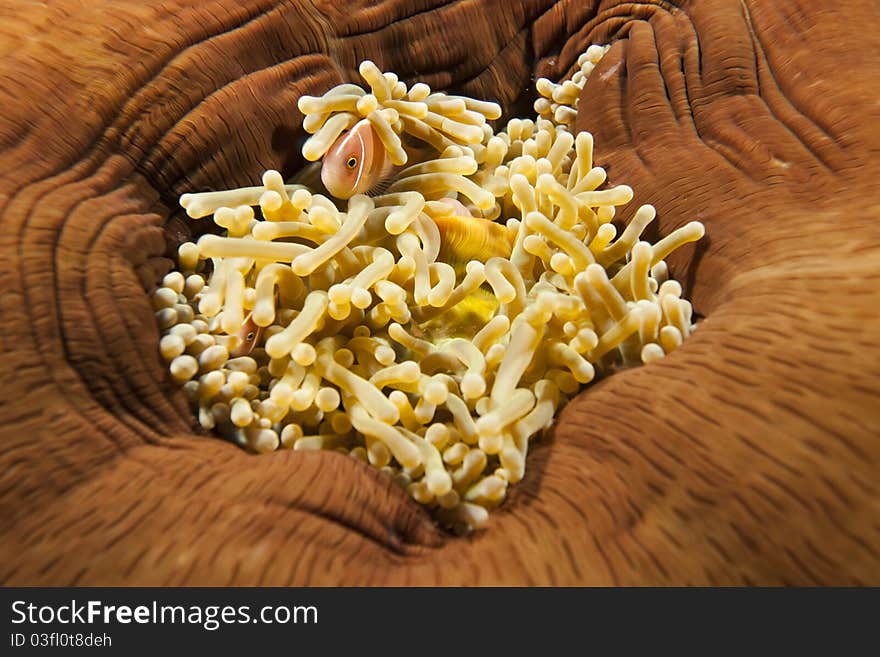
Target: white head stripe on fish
(247, 337)
(360, 164)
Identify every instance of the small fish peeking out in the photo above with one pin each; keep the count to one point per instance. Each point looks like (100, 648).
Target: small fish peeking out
(247, 338)
(356, 163)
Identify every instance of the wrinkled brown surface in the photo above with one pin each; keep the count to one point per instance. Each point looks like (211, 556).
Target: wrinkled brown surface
(750, 456)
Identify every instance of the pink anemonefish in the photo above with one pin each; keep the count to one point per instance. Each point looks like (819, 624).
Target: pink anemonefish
(248, 337)
(356, 163)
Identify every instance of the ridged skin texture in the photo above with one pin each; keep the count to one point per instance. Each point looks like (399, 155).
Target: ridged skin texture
(749, 456)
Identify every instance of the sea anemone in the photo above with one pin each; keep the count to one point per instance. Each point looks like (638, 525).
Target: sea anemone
(432, 330)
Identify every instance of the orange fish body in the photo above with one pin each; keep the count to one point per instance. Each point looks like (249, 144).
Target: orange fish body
(248, 337)
(356, 163)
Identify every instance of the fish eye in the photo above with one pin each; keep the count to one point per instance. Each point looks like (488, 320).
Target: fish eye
(352, 162)
(250, 336)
